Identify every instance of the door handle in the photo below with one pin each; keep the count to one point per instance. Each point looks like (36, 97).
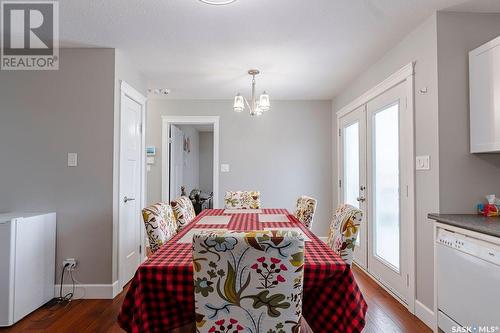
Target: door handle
(361, 199)
(125, 199)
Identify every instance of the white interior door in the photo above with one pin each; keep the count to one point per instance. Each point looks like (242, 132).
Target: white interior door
(176, 161)
(385, 188)
(352, 134)
(130, 187)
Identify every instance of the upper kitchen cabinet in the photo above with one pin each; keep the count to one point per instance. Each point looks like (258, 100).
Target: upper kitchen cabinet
(484, 85)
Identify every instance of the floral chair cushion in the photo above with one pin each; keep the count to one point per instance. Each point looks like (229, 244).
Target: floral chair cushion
(306, 206)
(242, 199)
(183, 211)
(160, 224)
(344, 230)
(248, 282)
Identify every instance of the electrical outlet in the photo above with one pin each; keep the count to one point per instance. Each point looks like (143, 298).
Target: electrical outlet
(70, 264)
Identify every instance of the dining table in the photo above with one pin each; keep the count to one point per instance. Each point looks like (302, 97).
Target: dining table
(160, 296)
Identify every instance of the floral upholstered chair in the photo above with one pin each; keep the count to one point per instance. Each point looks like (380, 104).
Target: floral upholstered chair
(160, 224)
(248, 282)
(242, 200)
(344, 230)
(306, 206)
(183, 211)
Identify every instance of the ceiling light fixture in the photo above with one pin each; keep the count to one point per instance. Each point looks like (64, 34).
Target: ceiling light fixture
(256, 107)
(218, 3)
(159, 91)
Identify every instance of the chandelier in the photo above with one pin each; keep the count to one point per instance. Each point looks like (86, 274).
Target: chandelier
(256, 107)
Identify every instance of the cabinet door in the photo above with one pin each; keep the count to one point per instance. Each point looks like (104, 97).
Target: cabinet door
(484, 85)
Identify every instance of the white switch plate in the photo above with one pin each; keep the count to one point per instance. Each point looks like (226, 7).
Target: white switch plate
(224, 168)
(423, 162)
(72, 159)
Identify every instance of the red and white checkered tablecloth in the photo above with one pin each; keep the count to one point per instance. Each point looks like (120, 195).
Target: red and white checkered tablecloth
(161, 294)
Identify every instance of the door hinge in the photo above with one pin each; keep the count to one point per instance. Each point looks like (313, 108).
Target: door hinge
(340, 182)
(407, 280)
(140, 128)
(340, 132)
(140, 249)
(170, 140)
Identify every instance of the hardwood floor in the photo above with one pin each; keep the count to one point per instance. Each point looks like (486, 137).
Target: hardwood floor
(385, 314)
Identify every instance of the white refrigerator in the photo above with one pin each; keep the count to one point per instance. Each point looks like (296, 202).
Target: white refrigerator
(27, 264)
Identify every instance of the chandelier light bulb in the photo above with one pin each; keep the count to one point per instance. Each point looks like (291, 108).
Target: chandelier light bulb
(239, 103)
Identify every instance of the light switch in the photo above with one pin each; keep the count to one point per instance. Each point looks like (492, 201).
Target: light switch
(72, 159)
(224, 168)
(423, 162)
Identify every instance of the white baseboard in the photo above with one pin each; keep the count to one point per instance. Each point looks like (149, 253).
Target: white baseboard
(90, 291)
(425, 314)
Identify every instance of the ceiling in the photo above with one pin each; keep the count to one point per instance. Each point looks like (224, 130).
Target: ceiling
(305, 49)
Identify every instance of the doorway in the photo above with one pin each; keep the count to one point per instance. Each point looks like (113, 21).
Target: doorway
(376, 175)
(190, 160)
(131, 186)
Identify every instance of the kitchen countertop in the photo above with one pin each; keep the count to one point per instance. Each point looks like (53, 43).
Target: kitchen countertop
(485, 225)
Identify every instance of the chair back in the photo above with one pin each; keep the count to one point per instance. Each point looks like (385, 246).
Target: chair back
(248, 281)
(183, 211)
(160, 224)
(242, 200)
(306, 207)
(344, 230)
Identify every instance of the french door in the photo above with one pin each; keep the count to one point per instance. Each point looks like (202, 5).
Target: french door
(353, 172)
(373, 177)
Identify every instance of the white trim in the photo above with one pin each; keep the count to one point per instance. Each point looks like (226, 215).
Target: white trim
(409, 164)
(380, 88)
(406, 73)
(90, 291)
(126, 90)
(166, 122)
(425, 314)
(323, 239)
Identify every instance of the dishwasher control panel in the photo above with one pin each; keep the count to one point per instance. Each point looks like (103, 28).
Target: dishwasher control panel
(473, 246)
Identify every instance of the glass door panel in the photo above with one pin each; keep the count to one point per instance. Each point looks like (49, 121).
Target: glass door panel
(351, 164)
(386, 185)
(353, 173)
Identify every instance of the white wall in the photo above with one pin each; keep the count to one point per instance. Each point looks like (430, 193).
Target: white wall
(284, 154)
(191, 169)
(465, 178)
(419, 46)
(206, 161)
